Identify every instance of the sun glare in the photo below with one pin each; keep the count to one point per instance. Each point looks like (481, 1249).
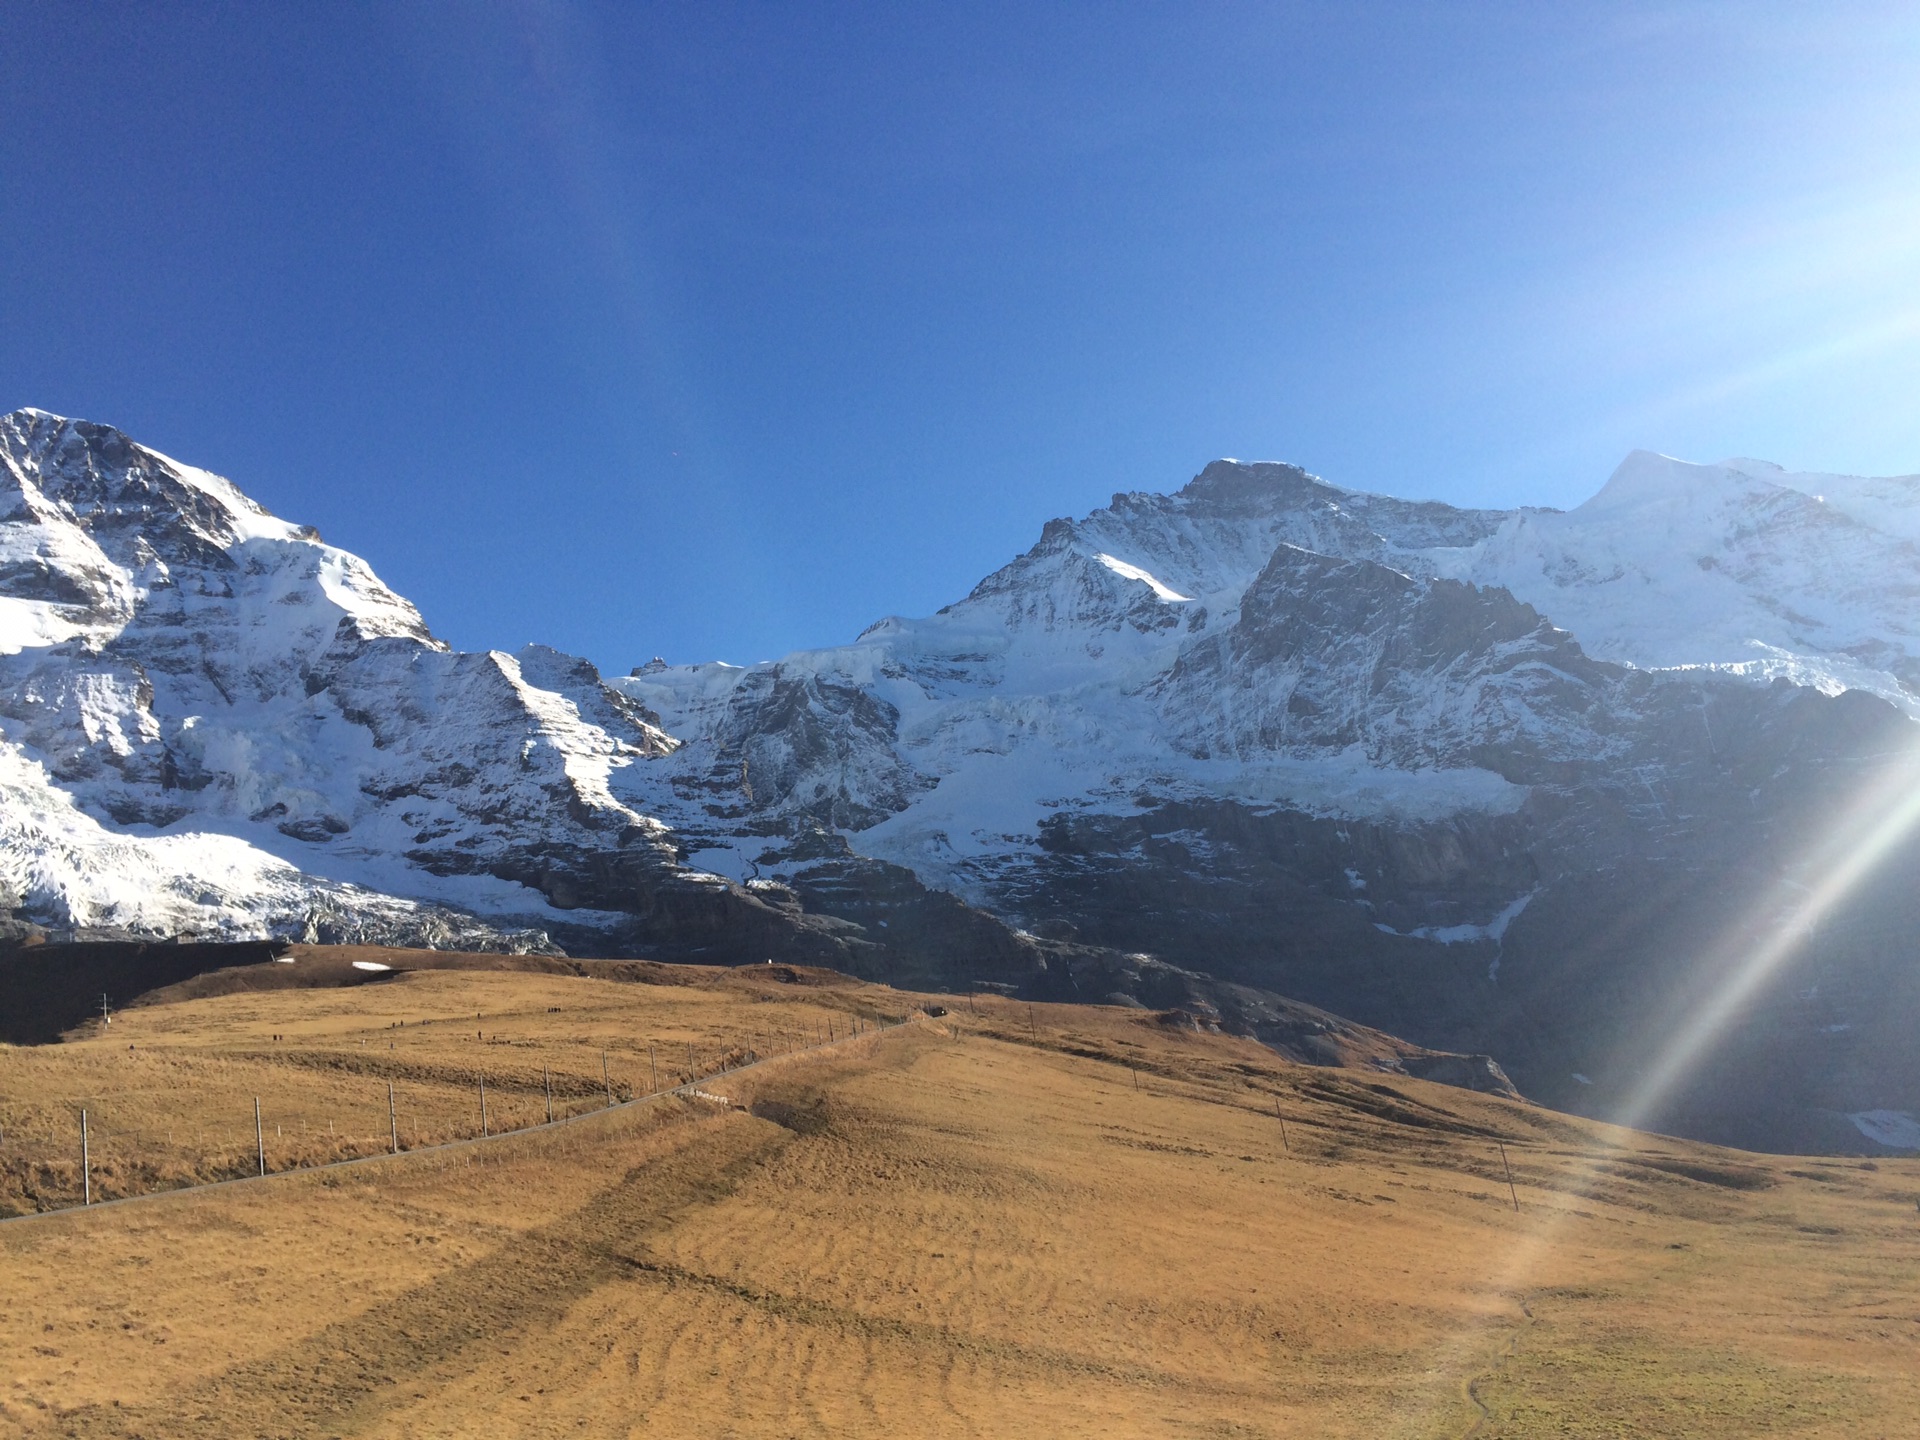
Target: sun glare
(1883, 815)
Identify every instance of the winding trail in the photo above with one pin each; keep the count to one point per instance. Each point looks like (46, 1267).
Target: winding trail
(1470, 1387)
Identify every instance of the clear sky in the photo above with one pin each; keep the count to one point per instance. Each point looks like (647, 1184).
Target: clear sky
(715, 331)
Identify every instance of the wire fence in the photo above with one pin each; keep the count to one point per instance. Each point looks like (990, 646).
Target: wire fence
(133, 1142)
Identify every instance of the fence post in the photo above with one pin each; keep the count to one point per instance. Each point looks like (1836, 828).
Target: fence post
(1509, 1168)
(86, 1164)
(546, 1079)
(484, 1130)
(606, 1078)
(259, 1137)
(653, 1067)
(393, 1122)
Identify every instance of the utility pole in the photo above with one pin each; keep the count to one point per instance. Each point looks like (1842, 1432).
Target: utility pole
(606, 1078)
(393, 1122)
(86, 1167)
(484, 1130)
(1509, 1169)
(106, 1015)
(1284, 1143)
(546, 1079)
(259, 1136)
(653, 1067)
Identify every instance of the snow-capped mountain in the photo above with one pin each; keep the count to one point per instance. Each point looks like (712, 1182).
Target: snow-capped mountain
(1264, 638)
(1363, 751)
(1490, 779)
(1740, 565)
(217, 724)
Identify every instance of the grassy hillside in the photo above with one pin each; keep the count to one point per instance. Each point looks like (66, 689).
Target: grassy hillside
(1069, 1221)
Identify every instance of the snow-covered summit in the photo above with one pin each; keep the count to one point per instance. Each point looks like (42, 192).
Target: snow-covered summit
(94, 528)
(1740, 565)
(178, 660)
(1120, 652)
(193, 688)
(1411, 761)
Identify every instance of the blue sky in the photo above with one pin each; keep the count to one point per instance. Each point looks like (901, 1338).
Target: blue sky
(715, 331)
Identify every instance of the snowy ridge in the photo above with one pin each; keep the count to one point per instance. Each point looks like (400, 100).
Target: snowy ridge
(1335, 744)
(178, 658)
(1407, 761)
(1119, 654)
(1036, 690)
(1740, 565)
(274, 733)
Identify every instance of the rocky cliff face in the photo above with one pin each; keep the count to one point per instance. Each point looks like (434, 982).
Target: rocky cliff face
(1501, 782)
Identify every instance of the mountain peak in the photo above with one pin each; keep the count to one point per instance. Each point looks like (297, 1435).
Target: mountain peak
(98, 471)
(1647, 477)
(1231, 480)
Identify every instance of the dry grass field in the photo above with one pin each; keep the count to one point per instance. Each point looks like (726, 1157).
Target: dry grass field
(1072, 1222)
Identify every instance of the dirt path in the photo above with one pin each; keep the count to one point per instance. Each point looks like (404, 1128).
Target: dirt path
(1482, 1424)
(341, 1379)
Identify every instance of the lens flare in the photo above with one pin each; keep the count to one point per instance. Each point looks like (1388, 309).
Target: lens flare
(1883, 816)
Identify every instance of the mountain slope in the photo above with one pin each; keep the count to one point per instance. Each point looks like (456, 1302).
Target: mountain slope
(1503, 782)
(1301, 739)
(213, 724)
(1741, 565)
(277, 742)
